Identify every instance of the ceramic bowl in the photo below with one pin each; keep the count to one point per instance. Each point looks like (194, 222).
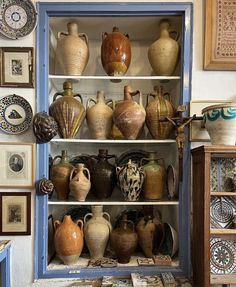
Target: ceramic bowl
(170, 244)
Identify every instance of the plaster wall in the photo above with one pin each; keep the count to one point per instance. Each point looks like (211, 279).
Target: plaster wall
(206, 85)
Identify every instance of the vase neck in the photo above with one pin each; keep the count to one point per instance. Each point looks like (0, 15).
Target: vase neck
(164, 29)
(127, 93)
(64, 156)
(100, 97)
(73, 29)
(68, 89)
(97, 210)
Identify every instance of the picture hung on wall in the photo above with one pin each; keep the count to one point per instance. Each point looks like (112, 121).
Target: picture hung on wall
(220, 35)
(17, 164)
(15, 213)
(16, 67)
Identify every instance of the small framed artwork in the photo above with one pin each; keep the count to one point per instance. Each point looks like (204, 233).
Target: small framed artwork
(15, 211)
(17, 164)
(16, 67)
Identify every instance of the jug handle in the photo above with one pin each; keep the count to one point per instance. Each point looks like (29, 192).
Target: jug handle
(127, 35)
(83, 35)
(108, 216)
(80, 223)
(62, 33)
(176, 37)
(56, 95)
(72, 172)
(88, 102)
(112, 103)
(88, 172)
(55, 158)
(79, 96)
(104, 35)
(149, 95)
(85, 217)
(140, 96)
(167, 95)
(131, 222)
(56, 224)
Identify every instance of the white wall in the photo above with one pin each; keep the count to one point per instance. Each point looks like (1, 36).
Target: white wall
(205, 85)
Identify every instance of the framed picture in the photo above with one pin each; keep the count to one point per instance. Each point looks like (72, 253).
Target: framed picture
(15, 210)
(220, 35)
(17, 164)
(16, 67)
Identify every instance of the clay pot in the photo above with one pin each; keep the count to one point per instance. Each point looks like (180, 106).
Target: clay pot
(115, 132)
(79, 183)
(97, 231)
(130, 179)
(72, 52)
(103, 175)
(60, 175)
(99, 117)
(115, 53)
(68, 239)
(129, 116)
(163, 54)
(67, 111)
(158, 110)
(155, 176)
(124, 240)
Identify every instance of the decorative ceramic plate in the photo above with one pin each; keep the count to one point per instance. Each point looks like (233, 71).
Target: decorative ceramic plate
(15, 114)
(223, 256)
(18, 18)
(134, 155)
(172, 182)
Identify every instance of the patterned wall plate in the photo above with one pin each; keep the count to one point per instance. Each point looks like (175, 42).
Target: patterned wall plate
(222, 256)
(17, 18)
(15, 114)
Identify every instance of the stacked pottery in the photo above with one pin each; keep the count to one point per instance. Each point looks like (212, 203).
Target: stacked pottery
(99, 117)
(79, 183)
(68, 239)
(72, 52)
(60, 175)
(115, 53)
(97, 231)
(163, 54)
(68, 112)
(129, 116)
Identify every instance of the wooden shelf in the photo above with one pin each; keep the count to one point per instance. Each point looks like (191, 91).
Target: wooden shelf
(223, 193)
(149, 141)
(223, 231)
(223, 279)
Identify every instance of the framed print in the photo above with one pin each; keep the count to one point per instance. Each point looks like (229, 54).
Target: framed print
(17, 164)
(220, 35)
(16, 67)
(15, 210)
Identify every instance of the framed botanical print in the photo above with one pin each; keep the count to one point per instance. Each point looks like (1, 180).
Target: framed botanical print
(15, 213)
(17, 164)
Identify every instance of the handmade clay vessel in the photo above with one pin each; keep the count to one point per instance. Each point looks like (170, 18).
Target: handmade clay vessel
(220, 122)
(156, 111)
(68, 239)
(163, 54)
(99, 117)
(115, 52)
(115, 132)
(68, 112)
(79, 183)
(97, 231)
(155, 176)
(124, 240)
(129, 116)
(72, 51)
(130, 179)
(60, 175)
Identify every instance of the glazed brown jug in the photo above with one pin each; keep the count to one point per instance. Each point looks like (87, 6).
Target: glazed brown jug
(68, 112)
(68, 239)
(156, 111)
(115, 52)
(129, 116)
(124, 240)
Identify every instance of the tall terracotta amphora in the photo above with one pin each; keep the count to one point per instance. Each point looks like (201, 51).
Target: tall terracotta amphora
(115, 52)
(129, 116)
(68, 239)
(60, 175)
(163, 54)
(124, 240)
(80, 183)
(99, 117)
(157, 111)
(97, 231)
(68, 112)
(72, 51)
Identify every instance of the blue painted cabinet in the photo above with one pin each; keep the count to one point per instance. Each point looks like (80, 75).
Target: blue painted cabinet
(140, 21)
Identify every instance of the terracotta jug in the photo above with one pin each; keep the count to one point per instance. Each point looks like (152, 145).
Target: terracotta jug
(72, 51)
(115, 53)
(99, 117)
(68, 239)
(67, 111)
(79, 183)
(115, 132)
(97, 231)
(124, 240)
(60, 175)
(155, 176)
(163, 54)
(158, 110)
(129, 116)
(130, 179)
(103, 175)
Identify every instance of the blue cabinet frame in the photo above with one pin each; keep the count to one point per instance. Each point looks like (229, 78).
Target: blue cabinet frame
(5, 266)
(63, 9)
